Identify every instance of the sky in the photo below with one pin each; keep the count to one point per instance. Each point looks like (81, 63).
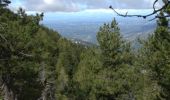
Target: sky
(79, 5)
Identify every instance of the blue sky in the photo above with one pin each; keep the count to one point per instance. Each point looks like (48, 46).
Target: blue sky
(79, 5)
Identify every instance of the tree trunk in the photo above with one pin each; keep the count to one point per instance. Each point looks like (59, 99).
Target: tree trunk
(8, 93)
(48, 92)
(43, 80)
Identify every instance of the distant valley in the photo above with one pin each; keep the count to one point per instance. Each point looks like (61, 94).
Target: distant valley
(84, 25)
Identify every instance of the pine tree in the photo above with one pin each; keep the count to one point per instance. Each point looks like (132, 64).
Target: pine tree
(86, 76)
(110, 43)
(117, 76)
(4, 3)
(157, 55)
(24, 47)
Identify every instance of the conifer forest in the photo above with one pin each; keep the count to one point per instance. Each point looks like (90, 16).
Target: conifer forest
(37, 63)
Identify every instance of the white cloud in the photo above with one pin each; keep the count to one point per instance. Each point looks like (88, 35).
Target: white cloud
(77, 5)
(49, 2)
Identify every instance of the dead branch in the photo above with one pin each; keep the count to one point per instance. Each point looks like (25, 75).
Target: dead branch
(26, 55)
(155, 11)
(154, 4)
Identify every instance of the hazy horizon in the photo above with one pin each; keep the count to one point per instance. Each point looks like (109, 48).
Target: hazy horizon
(84, 25)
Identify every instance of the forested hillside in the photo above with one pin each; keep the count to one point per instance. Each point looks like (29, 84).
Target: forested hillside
(36, 63)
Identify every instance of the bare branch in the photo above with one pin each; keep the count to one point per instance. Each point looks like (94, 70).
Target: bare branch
(145, 16)
(3, 37)
(26, 55)
(154, 4)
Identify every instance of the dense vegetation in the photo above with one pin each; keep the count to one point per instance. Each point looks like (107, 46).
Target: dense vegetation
(36, 63)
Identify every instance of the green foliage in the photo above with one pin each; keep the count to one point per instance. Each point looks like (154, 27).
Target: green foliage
(4, 3)
(156, 55)
(117, 76)
(69, 57)
(87, 73)
(109, 37)
(24, 47)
